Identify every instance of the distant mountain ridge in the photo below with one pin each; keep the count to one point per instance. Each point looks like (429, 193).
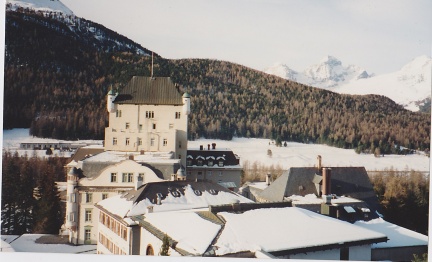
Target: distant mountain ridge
(40, 5)
(59, 68)
(409, 87)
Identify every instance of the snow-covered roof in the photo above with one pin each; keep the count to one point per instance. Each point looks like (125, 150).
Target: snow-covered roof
(398, 236)
(148, 157)
(190, 198)
(193, 233)
(279, 229)
(313, 199)
(265, 229)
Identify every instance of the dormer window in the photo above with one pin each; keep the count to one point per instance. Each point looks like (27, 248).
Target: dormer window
(189, 162)
(221, 163)
(199, 162)
(210, 162)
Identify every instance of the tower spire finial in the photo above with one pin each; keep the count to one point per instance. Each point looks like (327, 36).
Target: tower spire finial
(152, 66)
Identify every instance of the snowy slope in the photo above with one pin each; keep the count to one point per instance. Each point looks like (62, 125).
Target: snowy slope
(42, 5)
(408, 86)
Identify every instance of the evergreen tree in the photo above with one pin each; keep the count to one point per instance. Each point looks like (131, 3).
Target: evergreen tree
(48, 212)
(164, 251)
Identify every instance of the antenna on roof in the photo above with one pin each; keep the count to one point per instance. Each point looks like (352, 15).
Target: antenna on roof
(152, 67)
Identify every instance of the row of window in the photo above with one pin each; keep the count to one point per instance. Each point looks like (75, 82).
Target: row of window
(208, 162)
(113, 248)
(139, 141)
(87, 199)
(113, 225)
(125, 178)
(148, 114)
(127, 126)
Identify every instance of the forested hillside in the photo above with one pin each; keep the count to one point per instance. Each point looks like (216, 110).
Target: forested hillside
(55, 83)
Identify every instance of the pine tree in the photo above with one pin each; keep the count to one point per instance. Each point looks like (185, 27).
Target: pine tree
(48, 213)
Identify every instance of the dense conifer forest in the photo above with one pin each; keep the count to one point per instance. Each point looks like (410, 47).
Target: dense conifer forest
(56, 84)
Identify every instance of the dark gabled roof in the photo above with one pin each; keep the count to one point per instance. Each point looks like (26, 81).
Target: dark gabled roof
(150, 190)
(83, 153)
(149, 91)
(345, 181)
(229, 158)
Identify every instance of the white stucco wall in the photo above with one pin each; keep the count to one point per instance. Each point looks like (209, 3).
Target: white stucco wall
(360, 253)
(114, 238)
(166, 127)
(148, 238)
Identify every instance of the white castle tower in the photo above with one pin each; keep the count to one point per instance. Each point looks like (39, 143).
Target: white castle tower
(71, 204)
(148, 115)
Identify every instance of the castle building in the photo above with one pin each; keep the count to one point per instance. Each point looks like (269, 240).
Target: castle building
(146, 141)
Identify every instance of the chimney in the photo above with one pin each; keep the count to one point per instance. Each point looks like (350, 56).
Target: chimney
(213, 146)
(158, 199)
(268, 179)
(150, 209)
(201, 147)
(319, 162)
(208, 146)
(326, 181)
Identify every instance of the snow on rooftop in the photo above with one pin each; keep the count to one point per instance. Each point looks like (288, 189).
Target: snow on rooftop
(193, 233)
(398, 236)
(258, 185)
(148, 157)
(187, 201)
(313, 199)
(116, 205)
(276, 229)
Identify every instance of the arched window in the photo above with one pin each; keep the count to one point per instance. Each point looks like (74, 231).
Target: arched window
(149, 251)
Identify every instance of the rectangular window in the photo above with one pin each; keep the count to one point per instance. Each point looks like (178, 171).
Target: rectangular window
(165, 142)
(127, 141)
(152, 141)
(113, 177)
(72, 198)
(199, 162)
(87, 234)
(220, 173)
(139, 141)
(104, 196)
(149, 114)
(154, 126)
(127, 125)
(140, 127)
(177, 115)
(180, 144)
(72, 216)
(189, 162)
(171, 126)
(127, 177)
(89, 197)
(221, 163)
(88, 215)
(118, 113)
(114, 141)
(209, 173)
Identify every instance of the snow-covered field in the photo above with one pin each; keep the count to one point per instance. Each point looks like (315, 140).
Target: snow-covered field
(294, 155)
(304, 155)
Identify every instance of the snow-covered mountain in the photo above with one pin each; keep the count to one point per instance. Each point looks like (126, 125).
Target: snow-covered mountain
(41, 5)
(410, 86)
(328, 73)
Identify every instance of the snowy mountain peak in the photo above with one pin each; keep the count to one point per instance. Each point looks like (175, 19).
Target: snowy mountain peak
(328, 74)
(331, 61)
(41, 5)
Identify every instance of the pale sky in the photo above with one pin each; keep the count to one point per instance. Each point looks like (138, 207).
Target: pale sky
(380, 36)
